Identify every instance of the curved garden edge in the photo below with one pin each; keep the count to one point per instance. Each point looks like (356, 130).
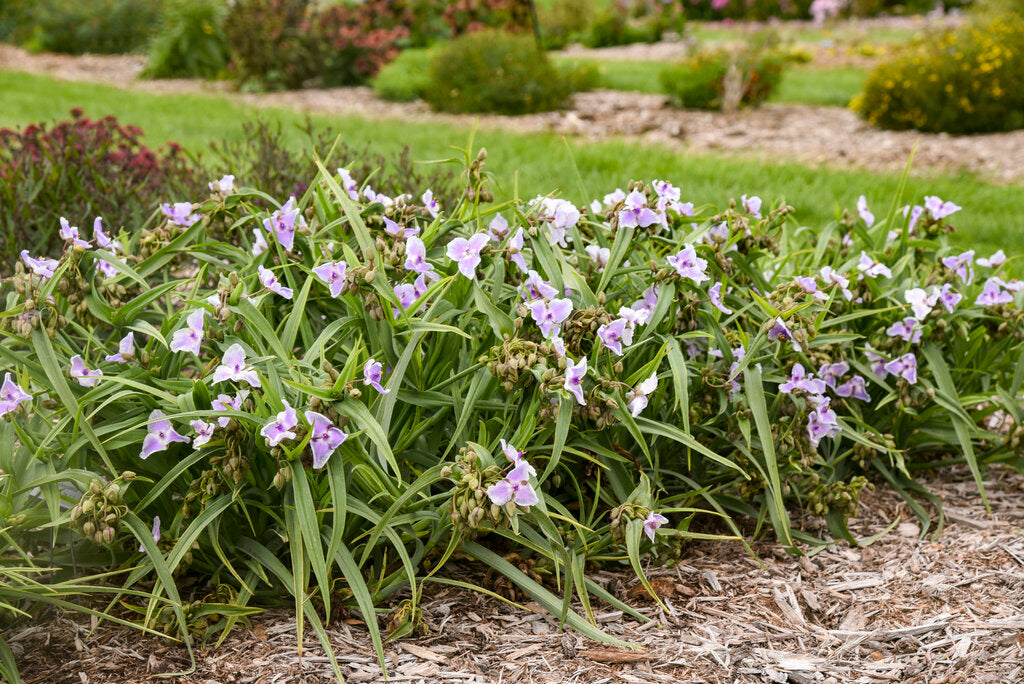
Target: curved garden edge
(897, 610)
(829, 136)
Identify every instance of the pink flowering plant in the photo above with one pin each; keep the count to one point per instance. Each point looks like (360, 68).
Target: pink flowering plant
(384, 380)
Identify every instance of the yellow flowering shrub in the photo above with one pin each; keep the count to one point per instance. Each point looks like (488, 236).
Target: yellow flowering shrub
(965, 81)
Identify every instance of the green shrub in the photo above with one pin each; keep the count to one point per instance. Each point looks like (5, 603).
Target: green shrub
(701, 81)
(493, 71)
(191, 42)
(639, 22)
(76, 27)
(406, 78)
(966, 81)
(564, 22)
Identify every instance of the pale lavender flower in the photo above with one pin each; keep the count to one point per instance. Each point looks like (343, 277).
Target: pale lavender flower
(830, 372)
(259, 245)
(847, 240)
(872, 268)
(334, 274)
(69, 233)
(909, 330)
(613, 198)
(517, 457)
(994, 261)
(86, 377)
(233, 367)
(822, 422)
(406, 294)
(634, 317)
(688, 265)
(283, 223)
(635, 212)
(992, 294)
(11, 395)
(810, 285)
(855, 387)
(715, 293)
(779, 331)
(535, 287)
(324, 439)
(949, 298)
(373, 375)
(497, 229)
(467, 253)
(877, 362)
(615, 334)
(432, 206)
(100, 236)
(864, 212)
(915, 214)
(1012, 285)
(223, 187)
(800, 380)
(515, 248)
(397, 230)
(271, 283)
(349, 184)
(574, 375)
(155, 532)
(905, 367)
(41, 266)
(833, 277)
(960, 264)
(514, 487)
(416, 257)
(550, 314)
(637, 398)
(938, 208)
(125, 350)
(161, 434)
(752, 205)
(223, 402)
(921, 302)
(180, 214)
(599, 255)
(282, 427)
(204, 433)
(189, 338)
(652, 522)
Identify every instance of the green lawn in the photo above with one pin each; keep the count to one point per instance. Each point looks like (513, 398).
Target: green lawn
(543, 163)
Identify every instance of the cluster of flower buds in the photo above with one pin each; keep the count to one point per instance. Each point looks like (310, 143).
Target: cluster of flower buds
(822, 498)
(862, 453)
(407, 620)
(469, 507)
(620, 517)
(580, 329)
(234, 461)
(209, 483)
(511, 360)
(97, 516)
(477, 180)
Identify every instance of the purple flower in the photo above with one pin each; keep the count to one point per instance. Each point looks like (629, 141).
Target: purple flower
(189, 338)
(259, 245)
(752, 205)
(514, 487)
(561, 215)
(497, 229)
(854, 387)
(69, 233)
(282, 224)
(232, 367)
(599, 255)
(125, 350)
(634, 317)
(467, 253)
(822, 422)
(574, 375)
(180, 214)
(915, 214)
(905, 367)
(550, 314)
(282, 427)
(938, 208)
(517, 457)
(800, 380)
(635, 212)
(715, 293)
(155, 532)
(85, 376)
(324, 438)
(558, 344)
(373, 375)
(225, 403)
(416, 257)
(41, 266)
(515, 249)
(810, 285)
(204, 433)
(921, 302)
(223, 187)
(961, 265)
(636, 400)
(877, 362)
(430, 204)
(334, 274)
(271, 283)
(652, 522)
(909, 330)
(864, 212)
(103, 240)
(992, 294)
(1013, 285)
(160, 436)
(689, 265)
(349, 183)
(11, 395)
(830, 372)
(872, 268)
(398, 231)
(536, 287)
(779, 331)
(615, 334)
(949, 298)
(648, 301)
(994, 261)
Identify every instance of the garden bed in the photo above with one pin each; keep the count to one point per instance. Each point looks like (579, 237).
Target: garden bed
(902, 609)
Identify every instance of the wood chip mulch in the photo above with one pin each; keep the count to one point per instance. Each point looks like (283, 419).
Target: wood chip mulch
(904, 609)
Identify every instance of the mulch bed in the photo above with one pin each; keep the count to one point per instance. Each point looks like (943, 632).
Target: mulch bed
(904, 609)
